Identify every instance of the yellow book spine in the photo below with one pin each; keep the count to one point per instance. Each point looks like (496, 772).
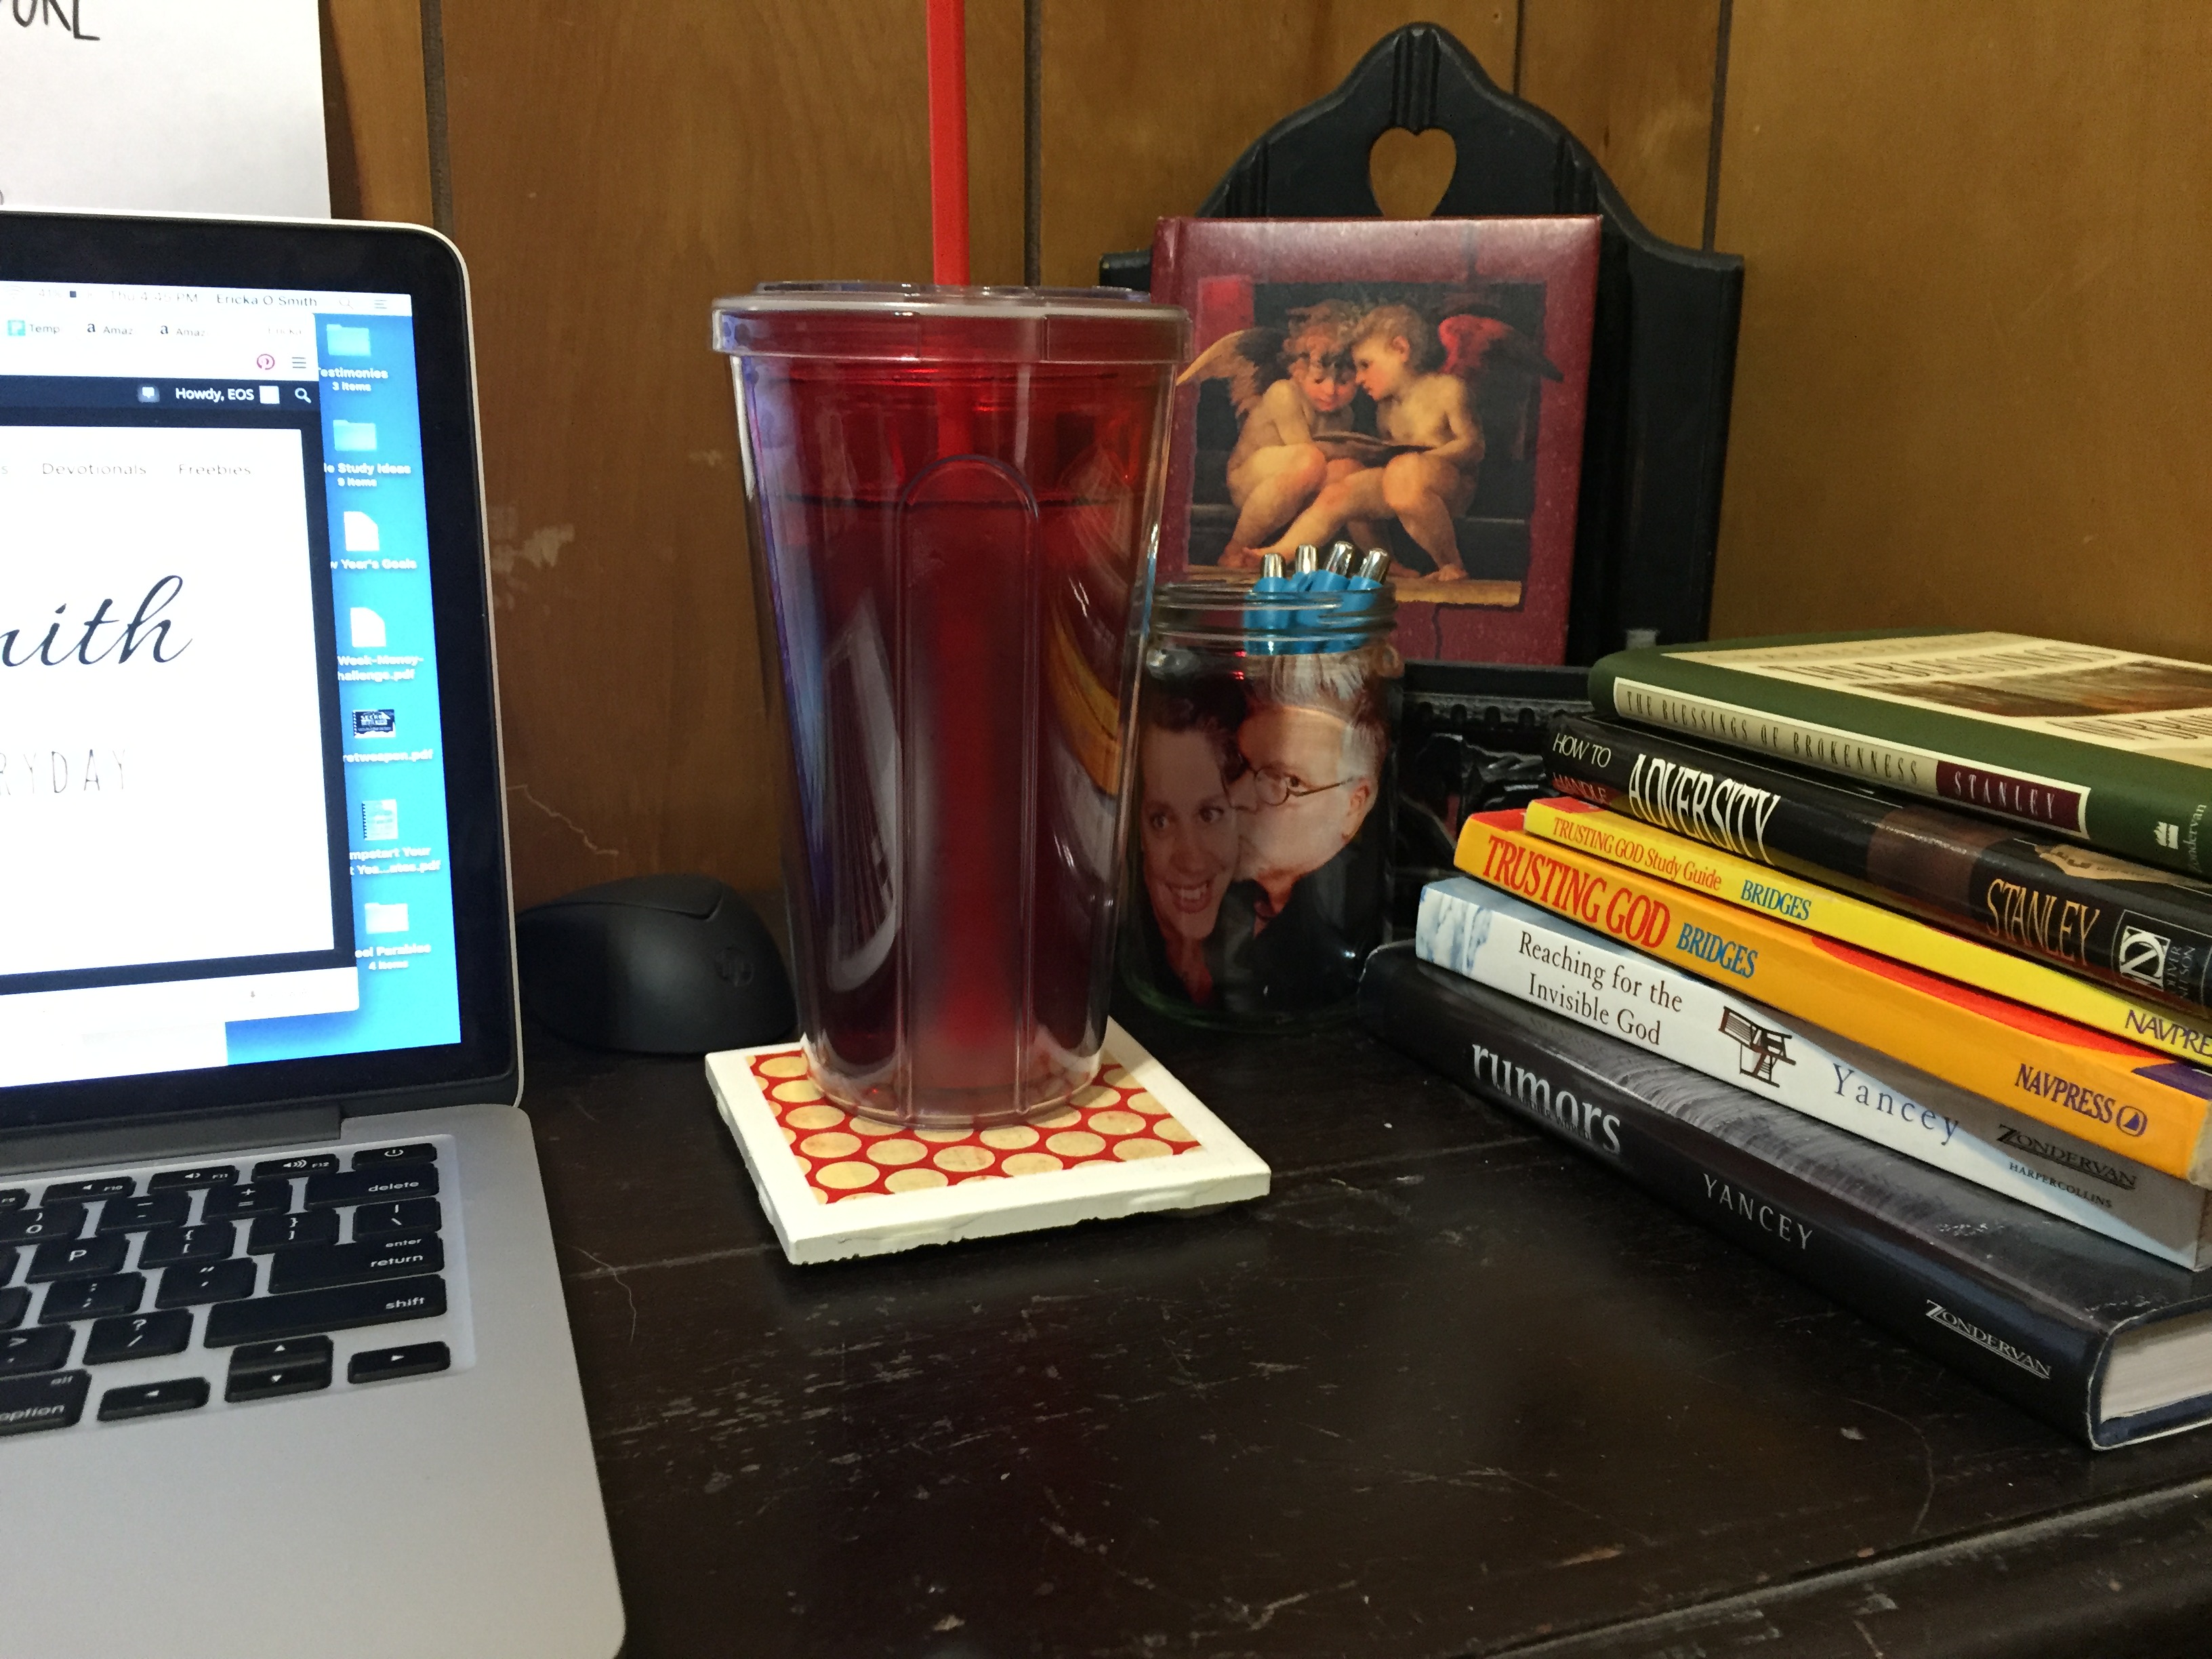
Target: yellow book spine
(1638, 846)
(2116, 1094)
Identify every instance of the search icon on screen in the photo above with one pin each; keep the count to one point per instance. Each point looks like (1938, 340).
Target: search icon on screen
(301, 392)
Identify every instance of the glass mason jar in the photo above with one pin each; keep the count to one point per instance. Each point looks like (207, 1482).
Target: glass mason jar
(1259, 867)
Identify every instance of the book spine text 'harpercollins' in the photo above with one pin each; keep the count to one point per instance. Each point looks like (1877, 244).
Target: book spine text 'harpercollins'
(1496, 940)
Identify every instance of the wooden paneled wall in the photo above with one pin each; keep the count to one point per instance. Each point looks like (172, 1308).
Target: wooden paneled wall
(1972, 386)
(1967, 392)
(613, 170)
(1144, 106)
(375, 107)
(1633, 80)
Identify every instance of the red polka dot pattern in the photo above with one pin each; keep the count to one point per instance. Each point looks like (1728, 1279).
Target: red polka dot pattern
(845, 1156)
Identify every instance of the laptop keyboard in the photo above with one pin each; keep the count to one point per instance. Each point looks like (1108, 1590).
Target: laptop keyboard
(202, 1286)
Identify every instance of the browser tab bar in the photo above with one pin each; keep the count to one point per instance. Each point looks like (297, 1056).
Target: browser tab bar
(206, 301)
(48, 328)
(40, 342)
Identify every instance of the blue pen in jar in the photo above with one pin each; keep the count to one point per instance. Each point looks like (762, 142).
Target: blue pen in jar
(1317, 577)
(1364, 585)
(1269, 624)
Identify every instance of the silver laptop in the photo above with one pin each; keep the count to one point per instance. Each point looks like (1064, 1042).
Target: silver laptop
(284, 1365)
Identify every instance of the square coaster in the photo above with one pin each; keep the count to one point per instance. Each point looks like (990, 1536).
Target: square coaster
(836, 1185)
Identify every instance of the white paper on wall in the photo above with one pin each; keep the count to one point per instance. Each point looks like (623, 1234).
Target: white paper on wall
(165, 105)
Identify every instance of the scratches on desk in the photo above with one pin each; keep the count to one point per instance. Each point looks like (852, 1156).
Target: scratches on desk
(1501, 1152)
(1336, 1206)
(1200, 1616)
(1449, 1389)
(616, 1273)
(2010, 1589)
(1476, 1478)
(1259, 1618)
(695, 1258)
(1928, 1456)
(1602, 1552)
(1069, 1536)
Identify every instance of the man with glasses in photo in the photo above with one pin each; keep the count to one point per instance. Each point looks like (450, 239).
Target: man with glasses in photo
(1309, 902)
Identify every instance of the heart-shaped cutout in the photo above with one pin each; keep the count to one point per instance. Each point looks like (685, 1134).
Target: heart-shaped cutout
(1409, 171)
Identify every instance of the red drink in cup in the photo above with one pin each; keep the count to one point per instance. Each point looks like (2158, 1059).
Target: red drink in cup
(954, 495)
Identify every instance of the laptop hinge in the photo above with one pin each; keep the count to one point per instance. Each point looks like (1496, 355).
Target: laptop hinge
(137, 1141)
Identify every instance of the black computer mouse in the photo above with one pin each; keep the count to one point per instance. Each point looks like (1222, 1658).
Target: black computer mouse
(654, 965)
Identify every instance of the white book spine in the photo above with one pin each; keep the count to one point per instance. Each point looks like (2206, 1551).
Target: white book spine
(1494, 938)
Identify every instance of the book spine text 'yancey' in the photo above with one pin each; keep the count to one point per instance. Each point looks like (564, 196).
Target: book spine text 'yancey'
(1497, 940)
(1627, 1109)
(2114, 1094)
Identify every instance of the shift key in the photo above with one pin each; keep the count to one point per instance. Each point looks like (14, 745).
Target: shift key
(304, 1313)
(317, 1267)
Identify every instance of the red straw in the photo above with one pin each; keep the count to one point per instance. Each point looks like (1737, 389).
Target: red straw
(948, 140)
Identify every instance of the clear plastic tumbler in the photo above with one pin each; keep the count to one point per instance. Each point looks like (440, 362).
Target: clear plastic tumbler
(954, 495)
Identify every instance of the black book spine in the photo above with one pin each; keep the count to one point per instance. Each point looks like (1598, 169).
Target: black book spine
(1567, 1080)
(2143, 930)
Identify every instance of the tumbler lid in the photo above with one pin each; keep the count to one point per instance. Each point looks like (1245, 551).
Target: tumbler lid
(915, 323)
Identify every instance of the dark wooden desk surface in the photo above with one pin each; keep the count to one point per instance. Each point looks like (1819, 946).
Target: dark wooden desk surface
(1449, 1389)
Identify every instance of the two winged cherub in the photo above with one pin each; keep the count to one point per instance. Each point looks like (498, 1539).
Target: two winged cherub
(1300, 474)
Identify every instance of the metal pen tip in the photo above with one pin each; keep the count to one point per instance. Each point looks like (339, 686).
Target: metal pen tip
(1308, 560)
(1340, 557)
(1271, 565)
(1376, 565)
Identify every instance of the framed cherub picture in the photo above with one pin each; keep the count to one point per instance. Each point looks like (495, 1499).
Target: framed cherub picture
(1416, 386)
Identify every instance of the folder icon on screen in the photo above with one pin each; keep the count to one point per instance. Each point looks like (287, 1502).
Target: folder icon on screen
(384, 918)
(353, 435)
(340, 341)
(368, 629)
(361, 533)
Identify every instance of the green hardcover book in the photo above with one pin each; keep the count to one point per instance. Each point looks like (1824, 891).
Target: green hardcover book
(2113, 747)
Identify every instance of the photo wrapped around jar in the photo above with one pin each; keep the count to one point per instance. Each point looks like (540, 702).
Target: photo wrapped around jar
(1259, 862)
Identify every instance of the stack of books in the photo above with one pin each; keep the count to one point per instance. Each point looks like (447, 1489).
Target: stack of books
(1888, 956)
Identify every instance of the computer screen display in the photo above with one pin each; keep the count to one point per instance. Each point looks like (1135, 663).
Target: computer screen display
(223, 802)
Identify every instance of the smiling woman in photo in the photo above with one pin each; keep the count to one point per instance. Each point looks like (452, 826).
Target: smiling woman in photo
(1186, 824)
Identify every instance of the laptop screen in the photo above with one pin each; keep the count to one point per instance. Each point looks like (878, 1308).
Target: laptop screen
(222, 790)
